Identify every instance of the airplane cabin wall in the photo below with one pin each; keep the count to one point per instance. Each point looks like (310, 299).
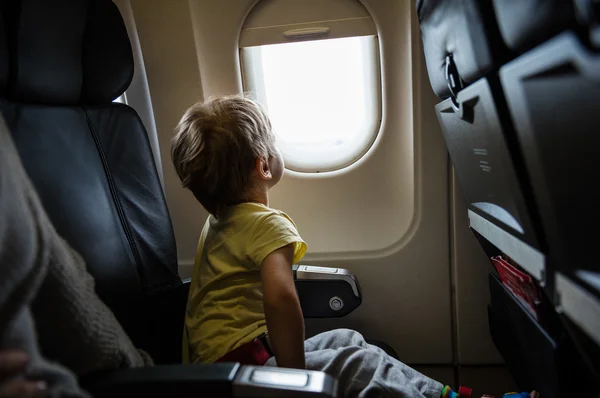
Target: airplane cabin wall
(379, 200)
(386, 218)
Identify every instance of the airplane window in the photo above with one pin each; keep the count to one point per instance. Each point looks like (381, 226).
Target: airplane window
(323, 98)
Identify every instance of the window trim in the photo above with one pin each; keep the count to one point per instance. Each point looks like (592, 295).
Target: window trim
(332, 29)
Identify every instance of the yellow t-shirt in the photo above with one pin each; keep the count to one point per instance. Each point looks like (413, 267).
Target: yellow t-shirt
(225, 304)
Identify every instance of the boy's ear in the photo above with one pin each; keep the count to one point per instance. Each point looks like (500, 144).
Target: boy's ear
(263, 169)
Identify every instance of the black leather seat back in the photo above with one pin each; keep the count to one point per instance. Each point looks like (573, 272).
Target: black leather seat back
(89, 158)
(463, 49)
(521, 126)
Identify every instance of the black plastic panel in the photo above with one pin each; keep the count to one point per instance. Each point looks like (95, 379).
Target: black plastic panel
(480, 153)
(553, 94)
(524, 23)
(165, 381)
(315, 296)
(539, 357)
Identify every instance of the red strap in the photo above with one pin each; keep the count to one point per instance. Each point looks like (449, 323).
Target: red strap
(252, 353)
(464, 392)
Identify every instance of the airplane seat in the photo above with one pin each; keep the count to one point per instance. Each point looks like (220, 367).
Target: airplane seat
(519, 83)
(90, 159)
(62, 63)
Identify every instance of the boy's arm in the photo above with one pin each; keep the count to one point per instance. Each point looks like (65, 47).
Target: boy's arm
(285, 321)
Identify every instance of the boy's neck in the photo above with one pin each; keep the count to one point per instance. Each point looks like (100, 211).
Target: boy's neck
(260, 196)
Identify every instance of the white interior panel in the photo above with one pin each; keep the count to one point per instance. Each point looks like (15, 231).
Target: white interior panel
(406, 292)
(385, 218)
(267, 13)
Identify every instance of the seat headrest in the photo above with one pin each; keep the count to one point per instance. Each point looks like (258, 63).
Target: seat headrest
(524, 24)
(464, 29)
(64, 52)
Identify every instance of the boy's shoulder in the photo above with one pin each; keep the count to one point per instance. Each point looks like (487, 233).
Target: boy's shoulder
(255, 230)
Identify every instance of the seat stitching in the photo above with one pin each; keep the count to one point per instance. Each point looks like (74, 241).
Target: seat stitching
(115, 195)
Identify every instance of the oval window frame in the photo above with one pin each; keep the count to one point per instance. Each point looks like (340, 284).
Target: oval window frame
(328, 159)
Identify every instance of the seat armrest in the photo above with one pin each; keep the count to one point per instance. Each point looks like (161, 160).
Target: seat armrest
(219, 379)
(326, 292)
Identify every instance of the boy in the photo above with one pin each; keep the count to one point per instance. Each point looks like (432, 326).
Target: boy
(242, 286)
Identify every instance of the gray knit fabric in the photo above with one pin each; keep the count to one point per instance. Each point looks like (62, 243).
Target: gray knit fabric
(364, 370)
(45, 288)
(68, 311)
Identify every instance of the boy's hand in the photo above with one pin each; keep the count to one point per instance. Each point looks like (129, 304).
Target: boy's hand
(285, 321)
(12, 364)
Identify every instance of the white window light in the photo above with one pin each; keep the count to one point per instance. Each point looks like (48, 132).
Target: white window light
(323, 98)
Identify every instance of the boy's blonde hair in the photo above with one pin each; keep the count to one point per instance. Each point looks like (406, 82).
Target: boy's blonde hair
(215, 148)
